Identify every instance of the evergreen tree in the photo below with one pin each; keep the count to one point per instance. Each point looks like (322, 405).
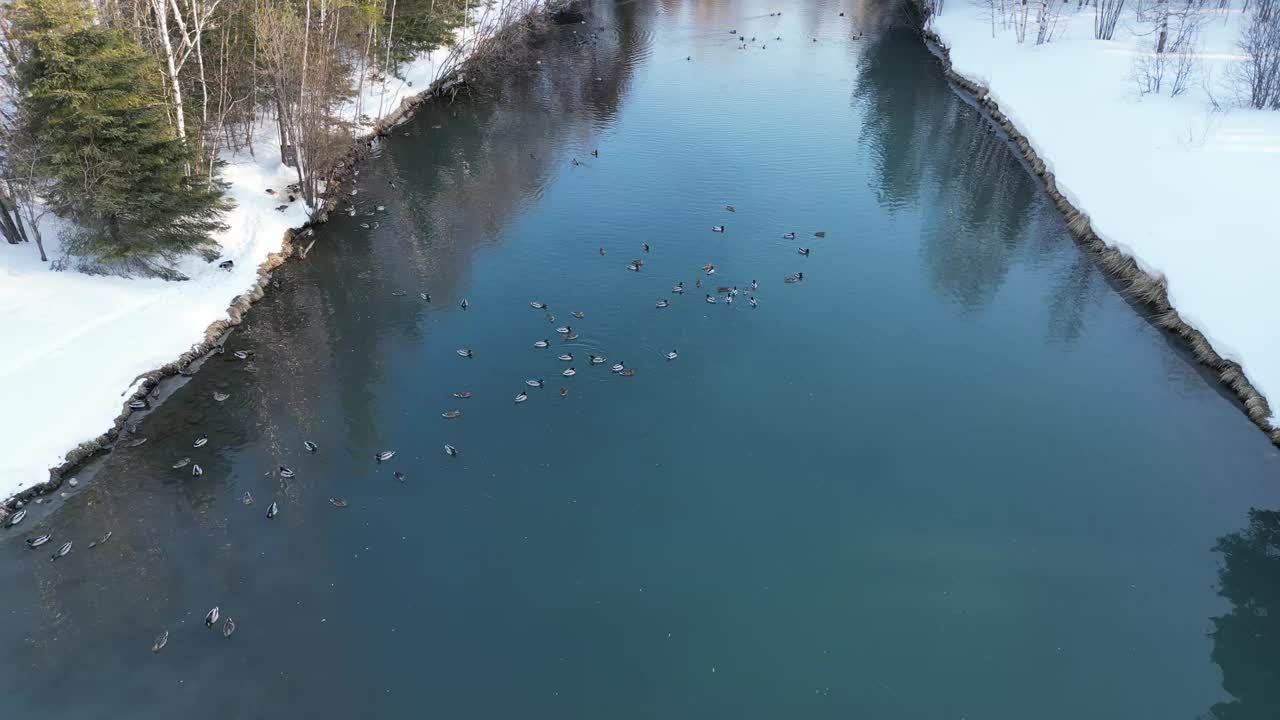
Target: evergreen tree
(95, 100)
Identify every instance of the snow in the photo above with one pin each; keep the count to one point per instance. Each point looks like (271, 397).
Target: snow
(1185, 189)
(76, 343)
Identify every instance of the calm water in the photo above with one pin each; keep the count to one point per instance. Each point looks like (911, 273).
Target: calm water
(951, 474)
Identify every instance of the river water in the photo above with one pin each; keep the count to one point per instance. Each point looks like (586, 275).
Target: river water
(950, 474)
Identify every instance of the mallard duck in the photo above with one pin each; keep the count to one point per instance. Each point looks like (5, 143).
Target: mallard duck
(451, 414)
(462, 394)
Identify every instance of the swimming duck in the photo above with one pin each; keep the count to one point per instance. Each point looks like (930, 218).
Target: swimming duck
(679, 288)
(634, 267)
(576, 163)
(101, 541)
(601, 252)
(219, 396)
(464, 304)
(200, 441)
(569, 373)
(579, 314)
(570, 337)
(804, 252)
(711, 300)
(522, 396)
(794, 278)
(627, 373)
(752, 301)
(595, 153)
(385, 455)
(136, 443)
(753, 285)
(211, 617)
(646, 247)
(789, 236)
(711, 270)
(567, 357)
(272, 511)
(399, 476)
(734, 291)
(541, 343)
(242, 354)
(398, 293)
(36, 542)
(62, 551)
(451, 451)
(462, 394)
(672, 355)
(218, 349)
(425, 296)
(17, 518)
(310, 446)
(717, 228)
(181, 463)
(137, 404)
(533, 383)
(662, 303)
(564, 330)
(286, 472)
(161, 640)
(451, 414)
(697, 283)
(596, 359)
(728, 299)
(196, 470)
(228, 628)
(247, 499)
(731, 208)
(337, 502)
(618, 367)
(464, 352)
(538, 305)
(551, 318)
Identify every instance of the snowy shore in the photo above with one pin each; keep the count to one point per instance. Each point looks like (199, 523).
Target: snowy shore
(1182, 184)
(78, 343)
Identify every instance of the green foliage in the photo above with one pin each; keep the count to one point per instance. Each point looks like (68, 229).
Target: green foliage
(94, 101)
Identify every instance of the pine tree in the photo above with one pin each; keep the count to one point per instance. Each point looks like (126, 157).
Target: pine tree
(92, 95)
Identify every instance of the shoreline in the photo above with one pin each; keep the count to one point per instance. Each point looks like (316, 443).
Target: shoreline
(147, 384)
(1140, 287)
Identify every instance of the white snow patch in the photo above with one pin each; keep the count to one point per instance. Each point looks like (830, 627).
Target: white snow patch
(1186, 190)
(76, 343)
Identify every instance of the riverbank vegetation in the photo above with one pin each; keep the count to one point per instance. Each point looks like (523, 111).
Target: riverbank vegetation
(115, 118)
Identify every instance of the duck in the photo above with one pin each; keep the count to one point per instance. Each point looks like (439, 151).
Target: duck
(804, 252)
(538, 305)
(464, 352)
(634, 267)
(596, 359)
(679, 288)
(542, 343)
(569, 373)
(728, 299)
(627, 373)
(789, 236)
(17, 518)
(137, 404)
(200, 441)
(717, 228)
(385, 455)
(398, 293)
(534, 383)
(310, 446)
(752, 301)
(136, 443)
(62, 551)
(464, 304)
(522, 396)
(711, 300)
(399, 476)
(242, 354)
(672, 355)
(564, 392)
(451, 451)
(228, 628)
(753, 285)
(731, 208)
(462, 394)
(820, 233)
(196, 470)
(576, 163)
(734, 291)
(551, 318)
(247, 499)
(645, 246)
(570, 337)
(601, 252)
(662, 303)
(36, 542)
(286, 472)
(564, 329)
(181, 463)
(337, 502)
(697, 283)
(220, 396)
(211, 617)
(161, 640)
(579, 314)
(567, 357)
(425, 296)
(618, 367)
(451, 414)
(101, 541)
(272, 511)
(595, 153)
(711, 270)
(794, 278)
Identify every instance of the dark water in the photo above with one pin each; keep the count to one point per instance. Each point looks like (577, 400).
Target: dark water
(951, 474)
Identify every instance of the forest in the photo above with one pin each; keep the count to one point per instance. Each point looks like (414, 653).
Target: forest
(115, 115)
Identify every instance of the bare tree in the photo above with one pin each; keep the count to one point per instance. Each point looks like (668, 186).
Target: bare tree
(1260, 42)
(1106, 13)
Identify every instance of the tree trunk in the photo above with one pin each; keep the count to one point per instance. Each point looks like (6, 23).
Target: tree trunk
(162, 29)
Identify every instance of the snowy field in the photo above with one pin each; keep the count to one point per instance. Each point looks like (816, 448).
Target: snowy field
(77, 343)
(1185, 185)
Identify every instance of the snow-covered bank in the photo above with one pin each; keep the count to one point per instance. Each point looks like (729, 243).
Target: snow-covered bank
(1183, 185)
(77, 344)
